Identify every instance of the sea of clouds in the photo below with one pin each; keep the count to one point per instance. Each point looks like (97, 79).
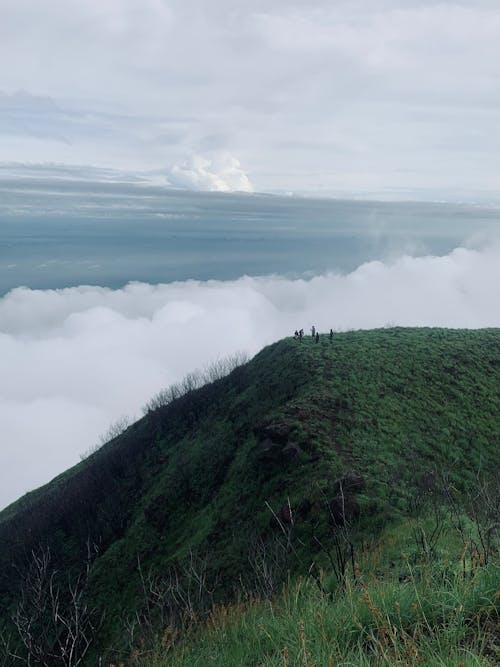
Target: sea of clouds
(72, 361)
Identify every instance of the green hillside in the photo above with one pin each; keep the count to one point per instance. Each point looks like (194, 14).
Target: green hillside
(304, 461)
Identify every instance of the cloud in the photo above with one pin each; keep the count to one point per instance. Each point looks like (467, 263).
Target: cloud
(74, 360)
(319, 97)
(218, 173)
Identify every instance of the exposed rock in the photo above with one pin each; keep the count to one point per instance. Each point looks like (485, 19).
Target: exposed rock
(269, 450)
(277, 432)
(274, 444)
(291, 450)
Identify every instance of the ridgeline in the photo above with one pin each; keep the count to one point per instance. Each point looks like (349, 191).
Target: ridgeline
(309, 464)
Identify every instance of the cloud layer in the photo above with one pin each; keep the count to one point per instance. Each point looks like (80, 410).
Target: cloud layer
(74, 360)
(332, 97)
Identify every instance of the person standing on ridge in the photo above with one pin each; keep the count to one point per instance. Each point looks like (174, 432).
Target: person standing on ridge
(331, 335)
(317, 337)
(313, 331)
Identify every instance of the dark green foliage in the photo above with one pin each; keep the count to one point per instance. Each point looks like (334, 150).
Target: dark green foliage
(198, 476)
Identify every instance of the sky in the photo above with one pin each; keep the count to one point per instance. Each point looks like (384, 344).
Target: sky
(386, 98)
(74, 361)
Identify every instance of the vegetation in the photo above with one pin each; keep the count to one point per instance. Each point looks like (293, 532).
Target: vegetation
(314, 466)
(114, 430)
(434, 618)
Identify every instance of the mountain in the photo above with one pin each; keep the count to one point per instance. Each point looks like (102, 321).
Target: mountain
(233, 487)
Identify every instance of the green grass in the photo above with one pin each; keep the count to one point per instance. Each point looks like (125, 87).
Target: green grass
(448, 622)
(394, 404)
(418, 612)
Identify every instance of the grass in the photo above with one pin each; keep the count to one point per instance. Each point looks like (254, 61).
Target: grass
(433, 615)
(397, 405)
(376, 623)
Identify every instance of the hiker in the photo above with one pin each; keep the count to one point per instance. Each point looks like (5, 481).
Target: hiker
(296, 334)
(301, 335)
(331, 335)
(313, 331)
(317, 337)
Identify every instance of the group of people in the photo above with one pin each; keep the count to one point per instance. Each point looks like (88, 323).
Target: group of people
(299, 334)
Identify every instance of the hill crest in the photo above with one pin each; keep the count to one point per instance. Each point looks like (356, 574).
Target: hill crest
(218, 471)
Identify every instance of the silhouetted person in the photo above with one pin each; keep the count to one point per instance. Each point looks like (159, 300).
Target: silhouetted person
(331, 335)
(301, 335)
(313, 331)
(317, 337)
(296, 334)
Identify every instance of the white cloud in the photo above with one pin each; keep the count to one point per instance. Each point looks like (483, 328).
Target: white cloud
(74, 360)
(320, 97)
(217, 173)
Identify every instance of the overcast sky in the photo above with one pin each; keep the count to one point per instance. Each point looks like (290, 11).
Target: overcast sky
(364, 96)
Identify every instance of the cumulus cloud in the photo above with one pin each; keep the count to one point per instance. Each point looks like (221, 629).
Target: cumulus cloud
(74, 360)
(219, 173)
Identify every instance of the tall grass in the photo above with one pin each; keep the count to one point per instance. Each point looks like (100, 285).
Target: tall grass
(436, 617)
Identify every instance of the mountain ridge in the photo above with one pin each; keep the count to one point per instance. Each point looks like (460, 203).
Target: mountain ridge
(211, 474)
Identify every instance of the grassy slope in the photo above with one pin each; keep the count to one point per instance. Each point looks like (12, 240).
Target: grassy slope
(434, 618)
(393, 404)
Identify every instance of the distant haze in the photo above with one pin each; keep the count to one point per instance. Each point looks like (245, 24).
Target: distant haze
(102, 228)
